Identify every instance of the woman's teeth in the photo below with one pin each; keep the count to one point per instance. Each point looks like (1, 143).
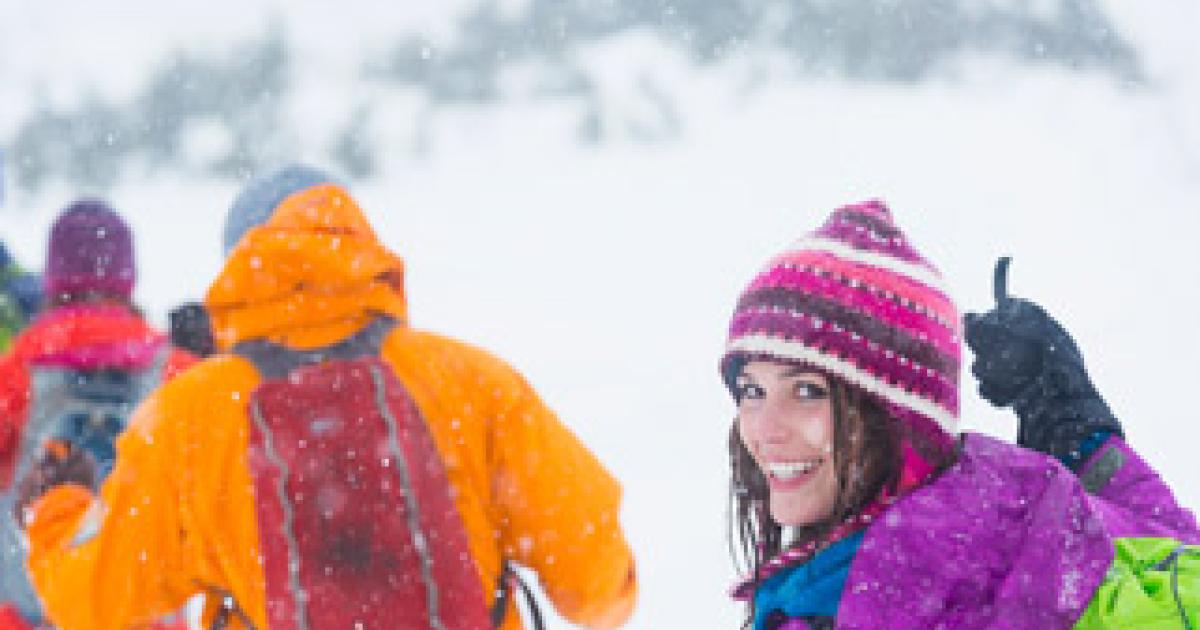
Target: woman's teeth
(790, 470)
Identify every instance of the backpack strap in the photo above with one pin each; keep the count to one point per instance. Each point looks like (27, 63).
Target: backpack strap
(1171, 563)
(275, 360)
(504, 591)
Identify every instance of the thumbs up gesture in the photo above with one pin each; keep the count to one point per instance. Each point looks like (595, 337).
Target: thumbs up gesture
(1025, 359)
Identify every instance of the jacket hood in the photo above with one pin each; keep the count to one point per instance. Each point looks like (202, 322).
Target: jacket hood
(310, 275)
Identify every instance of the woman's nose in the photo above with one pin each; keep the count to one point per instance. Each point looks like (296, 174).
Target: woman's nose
(774, 425)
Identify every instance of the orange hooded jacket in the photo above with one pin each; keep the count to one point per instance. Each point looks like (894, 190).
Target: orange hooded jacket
(177, 515)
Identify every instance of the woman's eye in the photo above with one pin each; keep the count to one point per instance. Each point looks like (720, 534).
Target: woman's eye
(749, 391)
(810, 391)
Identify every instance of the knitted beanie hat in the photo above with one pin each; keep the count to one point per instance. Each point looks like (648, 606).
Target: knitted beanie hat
(855, 301)
(260, 196)
(90, 251)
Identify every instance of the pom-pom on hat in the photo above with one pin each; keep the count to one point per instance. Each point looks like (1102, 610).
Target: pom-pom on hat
(854, 300)
(90, 251)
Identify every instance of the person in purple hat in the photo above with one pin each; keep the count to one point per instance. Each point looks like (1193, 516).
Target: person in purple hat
(74, 375)
(857, 502)
(90, 257)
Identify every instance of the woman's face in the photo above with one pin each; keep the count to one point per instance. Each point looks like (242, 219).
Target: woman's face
(785, 418)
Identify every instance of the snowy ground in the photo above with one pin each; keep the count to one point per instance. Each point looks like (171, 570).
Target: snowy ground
(607, 273)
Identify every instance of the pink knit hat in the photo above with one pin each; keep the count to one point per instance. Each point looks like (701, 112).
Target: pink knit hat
(856, 301)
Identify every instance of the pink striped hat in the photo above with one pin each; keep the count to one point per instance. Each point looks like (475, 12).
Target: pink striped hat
(857, 302)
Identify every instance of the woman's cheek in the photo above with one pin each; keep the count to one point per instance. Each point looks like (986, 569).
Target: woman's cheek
(816, 432)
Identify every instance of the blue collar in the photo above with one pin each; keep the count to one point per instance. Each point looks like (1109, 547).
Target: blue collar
(813, 588)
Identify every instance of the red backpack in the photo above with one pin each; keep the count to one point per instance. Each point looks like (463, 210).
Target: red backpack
(358, 526)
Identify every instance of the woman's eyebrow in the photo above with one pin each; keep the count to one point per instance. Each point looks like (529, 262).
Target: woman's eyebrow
(799, 370)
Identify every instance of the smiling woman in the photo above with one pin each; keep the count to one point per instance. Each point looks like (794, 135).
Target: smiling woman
(858, 504)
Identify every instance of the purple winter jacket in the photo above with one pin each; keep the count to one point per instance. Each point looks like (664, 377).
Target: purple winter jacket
(1006, 538)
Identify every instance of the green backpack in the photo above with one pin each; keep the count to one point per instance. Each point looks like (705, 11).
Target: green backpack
(1153, 584)
(16, 302)
(11, 318)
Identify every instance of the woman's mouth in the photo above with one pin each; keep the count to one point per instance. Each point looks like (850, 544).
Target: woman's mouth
(791, 475)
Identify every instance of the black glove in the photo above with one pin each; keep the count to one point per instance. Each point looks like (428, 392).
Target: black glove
(191, 329)
(1024, 358)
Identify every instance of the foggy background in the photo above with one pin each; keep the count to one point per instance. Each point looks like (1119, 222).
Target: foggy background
(585, 187)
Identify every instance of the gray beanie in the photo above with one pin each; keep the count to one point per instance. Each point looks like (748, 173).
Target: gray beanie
(260, 196)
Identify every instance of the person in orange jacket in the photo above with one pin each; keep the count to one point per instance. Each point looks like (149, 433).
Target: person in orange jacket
(178, 515)
(90, 327)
